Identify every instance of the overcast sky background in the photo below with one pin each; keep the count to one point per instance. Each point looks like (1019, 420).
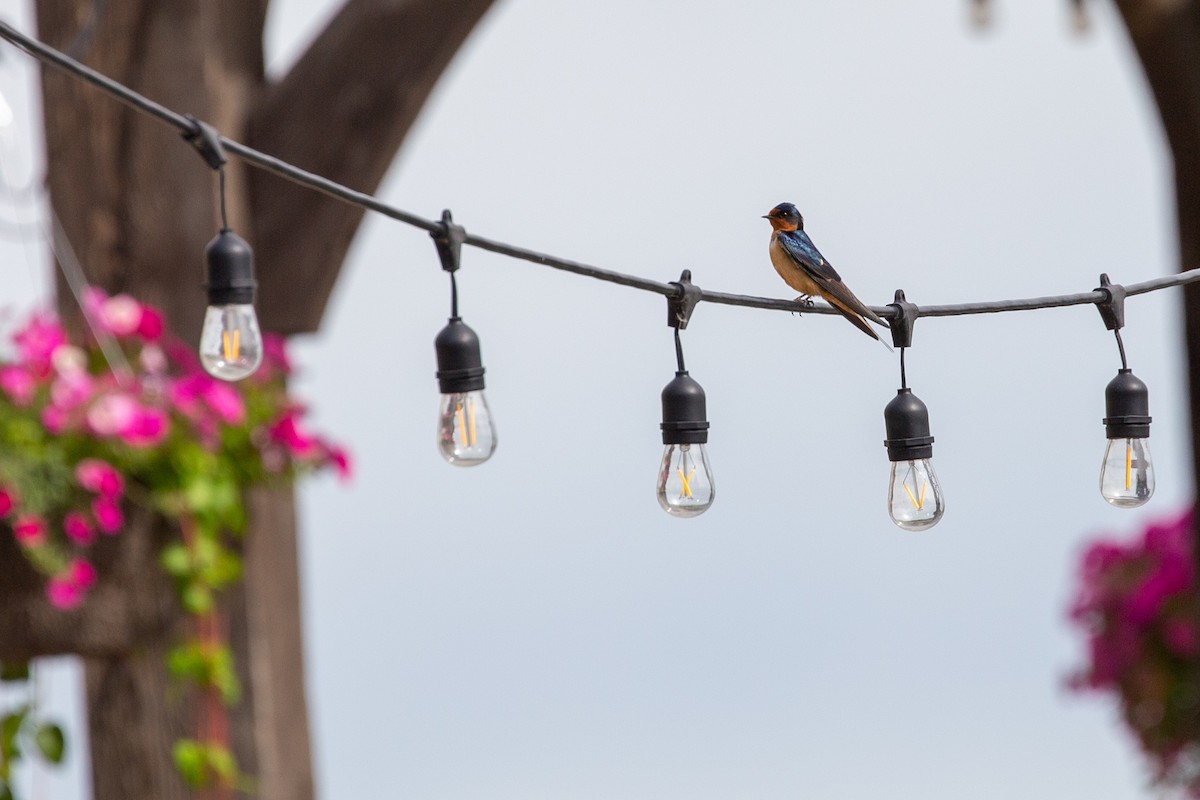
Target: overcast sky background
(537, 627)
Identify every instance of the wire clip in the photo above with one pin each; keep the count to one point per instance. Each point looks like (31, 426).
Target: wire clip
(207, 141)
(902, 324)
(681, 305)
(1112, 307)
(449, 239)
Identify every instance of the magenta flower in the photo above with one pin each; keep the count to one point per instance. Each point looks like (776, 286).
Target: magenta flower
(196, 394)
(287, 432)
(341, 460)
(225, 402)
(67, 589)
(150, 326)
(1136, 604)
(18, 384)
(148, 428)
(100, 477)
(30, 530)
(37, 341)
(78, 529)
(108, 514)
(7, 503)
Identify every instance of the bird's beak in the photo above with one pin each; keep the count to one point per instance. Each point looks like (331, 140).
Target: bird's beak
(767, 216)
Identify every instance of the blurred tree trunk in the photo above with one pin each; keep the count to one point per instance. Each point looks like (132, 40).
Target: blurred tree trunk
(1166, 36)
(138, 205)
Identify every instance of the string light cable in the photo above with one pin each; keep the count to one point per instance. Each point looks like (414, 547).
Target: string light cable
(466, 436)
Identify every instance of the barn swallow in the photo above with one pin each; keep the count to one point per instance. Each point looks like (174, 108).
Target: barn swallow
(801, 265)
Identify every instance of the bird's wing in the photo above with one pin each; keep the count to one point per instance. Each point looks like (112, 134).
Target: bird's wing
(806, 255)
(801, 249)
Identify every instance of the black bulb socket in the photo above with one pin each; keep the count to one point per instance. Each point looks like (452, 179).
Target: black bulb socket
(460, 365)
(907, 421)
(684, 411)
(1127, 401)
(230, 270)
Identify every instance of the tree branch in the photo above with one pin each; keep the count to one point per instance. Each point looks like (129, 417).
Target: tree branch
(342, 111)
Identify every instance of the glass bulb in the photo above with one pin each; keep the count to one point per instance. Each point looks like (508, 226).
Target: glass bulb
(231, 345)
(685, 484)
(1127, 477)
(915, 500)
(466, 435)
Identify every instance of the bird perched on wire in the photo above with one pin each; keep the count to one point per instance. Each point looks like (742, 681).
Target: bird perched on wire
(801, 265)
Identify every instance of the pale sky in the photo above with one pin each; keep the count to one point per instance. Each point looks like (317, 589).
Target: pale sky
(537, 627)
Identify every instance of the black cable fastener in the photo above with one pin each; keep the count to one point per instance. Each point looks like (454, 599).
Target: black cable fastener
(449, 237)
(207, 141)
(681, 304)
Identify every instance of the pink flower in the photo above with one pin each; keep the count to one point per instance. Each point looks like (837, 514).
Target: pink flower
(7, 503)
(341, 460)
(67, 589)
(55, 419)
(153, 359)
(288, 433)
(71, 390)
(37, 342)
(111, 414)
(150, 326)
(78, 529)
(109, 517)
(100, 477)
(275, 354)
(18, 384)
(193, 394)
(121, 315)
(148, 428)
(30, 530)
(225, 402)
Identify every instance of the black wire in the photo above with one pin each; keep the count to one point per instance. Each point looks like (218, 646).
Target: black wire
(224, 216)
(453, 297)
(1121, 347)
(679, 352)
(903, 375)
(293, 173)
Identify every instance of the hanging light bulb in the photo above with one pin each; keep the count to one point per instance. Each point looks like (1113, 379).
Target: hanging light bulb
(685, 484)
(1127, 474)
(231, 345)
(915, 501)
(466, 434)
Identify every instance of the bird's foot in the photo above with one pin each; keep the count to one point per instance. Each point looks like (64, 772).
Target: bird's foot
(806, 301)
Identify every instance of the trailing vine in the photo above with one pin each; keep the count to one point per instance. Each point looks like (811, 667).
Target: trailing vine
(129, 418)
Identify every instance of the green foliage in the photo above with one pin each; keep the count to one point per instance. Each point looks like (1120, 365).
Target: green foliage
(14, 673)
(21, 727)
(205, 764)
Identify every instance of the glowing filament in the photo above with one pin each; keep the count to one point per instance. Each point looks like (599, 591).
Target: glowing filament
(687, 483)
(1129, 465)
(466, 424)
(232, 345)
(918, 503)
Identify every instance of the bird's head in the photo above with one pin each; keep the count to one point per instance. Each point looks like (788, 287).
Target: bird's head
(785, 217)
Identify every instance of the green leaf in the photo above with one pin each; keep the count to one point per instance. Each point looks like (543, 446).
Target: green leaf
(10, 726)
(5, 791)
(197, 598)
(50, 741)
(221, 761)
(12, 673)
(190, 760)
(176, 560)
